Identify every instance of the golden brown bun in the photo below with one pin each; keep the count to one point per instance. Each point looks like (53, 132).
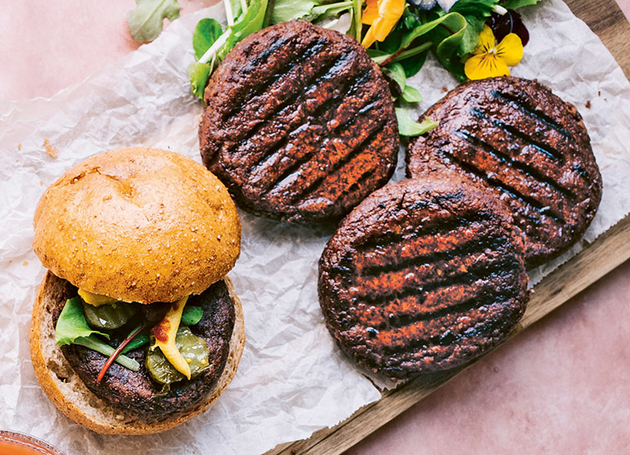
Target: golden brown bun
(139, 225)
(66, 390)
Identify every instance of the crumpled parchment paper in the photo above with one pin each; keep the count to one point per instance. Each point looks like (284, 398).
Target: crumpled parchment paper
(292, 380)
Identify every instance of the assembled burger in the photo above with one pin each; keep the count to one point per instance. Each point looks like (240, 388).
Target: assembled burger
(136, 327)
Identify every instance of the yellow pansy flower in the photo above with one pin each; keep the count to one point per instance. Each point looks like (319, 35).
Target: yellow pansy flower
(381, 16)
(490, 59)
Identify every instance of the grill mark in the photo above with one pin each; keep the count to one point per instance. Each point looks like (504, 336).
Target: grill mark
(546, 149)
(427, 305)
(508, 189)
(353, 186)
(469, 247)
(476, 271)
(529, 171)
(482, 328)
(317, 183)
(294, 168)
(261, 58)
(349, 88)
(532, 113)
(442, 227)
(370, 104)
(488, 298)
(289, 102)
(263, 86)
(272, 154)
(329, 104)
(418, 246)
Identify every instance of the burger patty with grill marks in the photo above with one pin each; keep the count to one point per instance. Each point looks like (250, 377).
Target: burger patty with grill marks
(136, 392)
(423, 276)
(300, 123)
(526, 145)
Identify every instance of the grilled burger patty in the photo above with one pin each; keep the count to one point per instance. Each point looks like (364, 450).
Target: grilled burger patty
(525, 144)
(135, 392)
(300, 123)
(423, 276)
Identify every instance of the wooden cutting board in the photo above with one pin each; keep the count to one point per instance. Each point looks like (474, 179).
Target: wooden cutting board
(608, 252)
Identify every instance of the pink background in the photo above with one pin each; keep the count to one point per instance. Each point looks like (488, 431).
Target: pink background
(561, 387)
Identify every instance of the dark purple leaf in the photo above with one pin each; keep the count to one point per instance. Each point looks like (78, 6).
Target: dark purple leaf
(510, 22)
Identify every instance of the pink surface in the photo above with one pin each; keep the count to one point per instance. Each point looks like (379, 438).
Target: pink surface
(561, 387)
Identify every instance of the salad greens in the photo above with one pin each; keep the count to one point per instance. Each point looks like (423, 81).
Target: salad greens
(407, 127)
(72, 328)
(211, 46)
(448, 29)
(145, 22)
(286, 10)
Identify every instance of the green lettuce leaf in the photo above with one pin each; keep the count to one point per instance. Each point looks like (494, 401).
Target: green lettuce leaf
(514, 4)
(138, 341)
(474, 8)
(411, 94)
(286, 10)
(409, 128)
(72, 328)
(199, 73)
(206, 33)
(396, 72)
(72, 324)
(245, 25)
(447, 38)
(145, 22)
(475, 12)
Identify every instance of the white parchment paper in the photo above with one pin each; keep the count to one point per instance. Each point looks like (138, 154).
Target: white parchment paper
(291, 380)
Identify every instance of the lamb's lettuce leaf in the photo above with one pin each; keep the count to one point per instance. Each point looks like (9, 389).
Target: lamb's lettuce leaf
(146, 21)
(409, 128)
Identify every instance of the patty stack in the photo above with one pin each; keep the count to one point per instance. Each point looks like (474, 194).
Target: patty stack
(422, 275)
(429, 273)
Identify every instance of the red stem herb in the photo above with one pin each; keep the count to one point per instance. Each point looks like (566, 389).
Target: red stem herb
(112, 357)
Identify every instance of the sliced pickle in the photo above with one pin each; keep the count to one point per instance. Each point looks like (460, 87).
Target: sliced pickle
(194, 349)
(110, 316)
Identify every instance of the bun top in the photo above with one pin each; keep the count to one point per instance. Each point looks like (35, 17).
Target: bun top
(139, 225)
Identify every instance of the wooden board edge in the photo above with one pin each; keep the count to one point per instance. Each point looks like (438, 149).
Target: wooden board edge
(609, 251)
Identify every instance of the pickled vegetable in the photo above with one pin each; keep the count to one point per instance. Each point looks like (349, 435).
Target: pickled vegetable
(109, 316)
(192, 315)
(165, 334)
(193, 349)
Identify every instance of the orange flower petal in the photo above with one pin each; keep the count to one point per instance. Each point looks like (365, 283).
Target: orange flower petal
(370, 13)
(369, 38)
(388, 14)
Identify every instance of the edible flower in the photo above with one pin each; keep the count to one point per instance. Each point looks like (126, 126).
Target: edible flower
(381, 16)
(509, 22)
(490, 59)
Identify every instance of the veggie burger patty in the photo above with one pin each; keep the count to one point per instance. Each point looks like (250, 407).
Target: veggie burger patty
(300, 123)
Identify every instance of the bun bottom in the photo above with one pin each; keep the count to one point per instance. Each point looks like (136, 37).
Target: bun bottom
(70, 395)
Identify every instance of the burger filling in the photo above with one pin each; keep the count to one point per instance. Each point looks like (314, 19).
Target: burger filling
(174, 354)
(147, 343)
